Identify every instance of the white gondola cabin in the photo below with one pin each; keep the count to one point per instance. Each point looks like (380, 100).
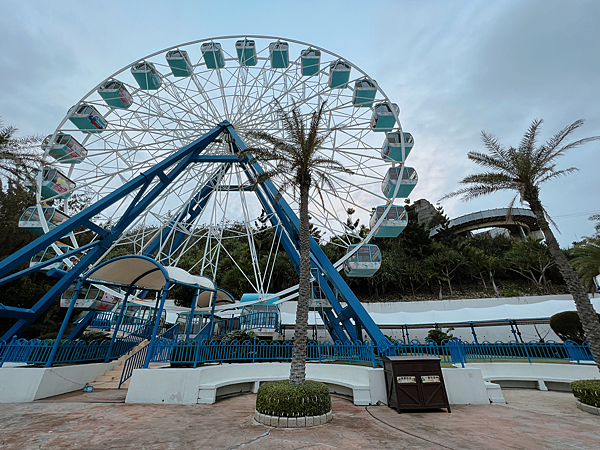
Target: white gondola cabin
(49, 253)
(279, 54)
(115, 94)
(89, 298)
(55, 184)
(408, 180)
(246, 52)
(393, 224)
(364, 93)
(146, 76)
(363, 263)
(310, 60)
(88, 119)
(339, 74)
(180, 63)
(65, 149)
(30, 219)
(213, 55)
(383, 118)
(392, 146)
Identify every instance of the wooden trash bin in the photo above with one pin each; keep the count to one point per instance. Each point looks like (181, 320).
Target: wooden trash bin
(414, 382)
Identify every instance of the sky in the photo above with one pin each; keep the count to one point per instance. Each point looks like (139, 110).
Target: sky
(454, 67)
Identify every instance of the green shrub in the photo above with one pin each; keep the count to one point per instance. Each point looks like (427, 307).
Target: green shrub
(567, 326)
(438, 335)
(587, 391)
(282, 399)
(240, 335)
(90, 336)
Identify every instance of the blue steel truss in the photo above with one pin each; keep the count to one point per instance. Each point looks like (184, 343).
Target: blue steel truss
(343, 323)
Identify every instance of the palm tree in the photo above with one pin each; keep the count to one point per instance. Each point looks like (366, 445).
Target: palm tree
(17, 155)
(524, 170)
(297, 160)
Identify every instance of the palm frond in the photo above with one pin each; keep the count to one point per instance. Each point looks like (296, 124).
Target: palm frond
(530, 136)
(556, 174)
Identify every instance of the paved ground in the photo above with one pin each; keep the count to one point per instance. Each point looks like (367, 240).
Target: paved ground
(99, 420)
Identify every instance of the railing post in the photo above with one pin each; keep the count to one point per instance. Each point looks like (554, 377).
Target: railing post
(156, 321)
(64, 325)
(372, 354)
(189, 326)
(254, 350)
(120, 318)
(319, 350)
(526, 352)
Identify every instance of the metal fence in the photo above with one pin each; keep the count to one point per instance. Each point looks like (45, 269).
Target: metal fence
(37, 352)
(263, 320)
(107, 320)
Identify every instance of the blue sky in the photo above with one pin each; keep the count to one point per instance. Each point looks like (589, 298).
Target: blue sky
(454, 67)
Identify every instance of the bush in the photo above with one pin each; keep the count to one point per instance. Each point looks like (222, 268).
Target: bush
(438, 335)
(282, 399)
(240, 336)
(90, 336)
(587, 391)
(567, 326)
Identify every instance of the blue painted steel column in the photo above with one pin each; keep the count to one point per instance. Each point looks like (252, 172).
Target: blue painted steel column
(191, 319)
(212, 317)
(119, 320)
(156, 322)
(473, 333)
(64, 325)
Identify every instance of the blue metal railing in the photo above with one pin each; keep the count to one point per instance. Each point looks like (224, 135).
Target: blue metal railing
(107, 320)
(37, 352)
(136, 361)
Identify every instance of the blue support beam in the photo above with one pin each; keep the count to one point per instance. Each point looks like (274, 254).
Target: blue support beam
(81, 326)
(159, 177)
(290, 221)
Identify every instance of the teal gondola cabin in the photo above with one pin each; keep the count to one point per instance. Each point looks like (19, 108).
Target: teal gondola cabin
(146, 76)
(279, 54)
(89, 298)
(339, 74)
(88, 119)
(364, 93)
(213, 55)
(115, 94)
(310, 61)
(49, 253)
(65, 149)
(393, 224)
(392, 146)
(55, 184)
(383, 118)
(363, 263)
(30, 219)
(408, 180)
(180, 63)
(246, 52)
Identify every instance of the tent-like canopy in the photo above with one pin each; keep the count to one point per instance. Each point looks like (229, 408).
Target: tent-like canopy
(142, 272)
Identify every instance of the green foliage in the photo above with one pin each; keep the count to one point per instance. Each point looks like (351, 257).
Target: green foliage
(282, 399)
(438, 335)
(240, 336)
(587, 391)
(567, 326)
(97, 336)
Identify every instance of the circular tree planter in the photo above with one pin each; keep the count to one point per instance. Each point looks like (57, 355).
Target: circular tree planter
(283, 405)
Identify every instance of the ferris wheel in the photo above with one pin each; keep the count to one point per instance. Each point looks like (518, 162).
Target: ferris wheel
(147, 111)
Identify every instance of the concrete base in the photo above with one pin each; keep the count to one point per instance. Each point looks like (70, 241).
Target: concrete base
(542, 376)
(292, 422)
(26, 384)
(588, 408)
(366, 386)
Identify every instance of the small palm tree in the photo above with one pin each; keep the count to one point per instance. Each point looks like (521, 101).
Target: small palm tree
(17, 155)
(298, 162)
(524, 170)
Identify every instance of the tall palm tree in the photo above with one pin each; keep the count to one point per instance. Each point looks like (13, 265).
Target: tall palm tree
(524, 170)
(297, 161)
(17, 155)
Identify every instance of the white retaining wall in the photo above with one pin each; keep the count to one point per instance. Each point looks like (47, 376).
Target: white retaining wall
(26, 384)
(365, 385)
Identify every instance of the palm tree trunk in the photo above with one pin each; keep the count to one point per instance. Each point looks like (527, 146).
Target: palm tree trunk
(585, 310)
(298, 367)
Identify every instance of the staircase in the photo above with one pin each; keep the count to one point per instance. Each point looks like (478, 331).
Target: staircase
(112, 377)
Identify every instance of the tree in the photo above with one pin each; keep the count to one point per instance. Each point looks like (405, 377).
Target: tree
(17, 155)
(524, 170)
(531, 259)
(297, 160)
(586, 256)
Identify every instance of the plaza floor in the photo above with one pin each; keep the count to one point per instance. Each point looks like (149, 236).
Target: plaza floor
(100, 420)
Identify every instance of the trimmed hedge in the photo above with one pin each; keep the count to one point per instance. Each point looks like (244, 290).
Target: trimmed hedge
(282, 399)
(587, 391)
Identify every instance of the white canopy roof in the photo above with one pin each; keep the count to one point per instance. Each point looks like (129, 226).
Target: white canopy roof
(141, 272)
